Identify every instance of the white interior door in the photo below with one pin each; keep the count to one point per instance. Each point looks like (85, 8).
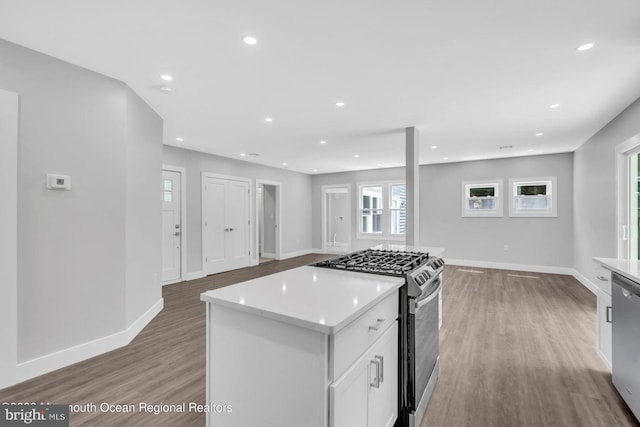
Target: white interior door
(225, 214)
(171, 226)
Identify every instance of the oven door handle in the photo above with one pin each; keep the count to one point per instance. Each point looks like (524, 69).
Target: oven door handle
(421, 303)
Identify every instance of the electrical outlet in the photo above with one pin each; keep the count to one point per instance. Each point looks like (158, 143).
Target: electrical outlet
(506, 248)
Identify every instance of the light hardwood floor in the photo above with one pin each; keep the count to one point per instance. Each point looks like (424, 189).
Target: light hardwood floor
(515, 351)
(518, 349)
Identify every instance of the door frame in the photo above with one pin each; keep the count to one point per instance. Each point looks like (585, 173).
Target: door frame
(623, 150)
(278, 186)
(10, 104)
(250, 234)
(325, 191)
(183, 221)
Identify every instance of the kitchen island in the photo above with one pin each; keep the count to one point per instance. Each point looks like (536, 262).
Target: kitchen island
(304, 347)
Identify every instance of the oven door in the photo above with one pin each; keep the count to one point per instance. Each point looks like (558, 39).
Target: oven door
(427, 348)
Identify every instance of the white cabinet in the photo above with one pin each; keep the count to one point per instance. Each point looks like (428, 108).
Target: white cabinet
(604, 326)
(275, 373)
(604, 312)
(366, 395)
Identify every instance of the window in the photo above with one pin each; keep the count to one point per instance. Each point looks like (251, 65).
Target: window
(371, 209)
(168, 190)
(398, 209)
(383, 210)
(482, 198)
(531, 197)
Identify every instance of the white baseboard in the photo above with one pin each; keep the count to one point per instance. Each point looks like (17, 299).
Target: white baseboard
(526, 267)
(138, 325)
(171, 282)
(268, 255)
(296, 253)
(508, 266)
(194, 275)
(50, 362)
(604, 359)
(585, 282)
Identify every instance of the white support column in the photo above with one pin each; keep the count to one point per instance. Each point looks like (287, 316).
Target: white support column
(412, 172)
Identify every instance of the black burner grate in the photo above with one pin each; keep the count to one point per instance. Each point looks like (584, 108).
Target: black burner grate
(376, 261)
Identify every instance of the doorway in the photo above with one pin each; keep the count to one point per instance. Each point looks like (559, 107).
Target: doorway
(173, 224)
(9, 113)
(629, 199)
(225, 223)
(268, 220)
(336, 219)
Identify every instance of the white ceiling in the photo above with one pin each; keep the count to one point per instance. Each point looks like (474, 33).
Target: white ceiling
(471, 75)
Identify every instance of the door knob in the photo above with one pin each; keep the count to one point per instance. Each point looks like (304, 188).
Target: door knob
(177, 226)
(177, 233)
(231, 229)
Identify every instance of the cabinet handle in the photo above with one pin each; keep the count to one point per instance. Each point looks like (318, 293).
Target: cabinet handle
(609, 314)
(604, 279)
(376, 380)
(381, 359)
(375, 327)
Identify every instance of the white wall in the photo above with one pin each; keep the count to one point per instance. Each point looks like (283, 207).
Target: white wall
(143, 205)
(532, 241)
(296, 199)
(595, 189)
(9, 240)
(352, 178)
(73, 288)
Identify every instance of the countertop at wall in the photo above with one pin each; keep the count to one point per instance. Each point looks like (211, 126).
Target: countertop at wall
(625, 267)
(315, 298)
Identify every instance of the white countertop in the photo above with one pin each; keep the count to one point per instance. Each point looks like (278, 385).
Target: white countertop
(432, 250)
(625, 267)
(316, 298)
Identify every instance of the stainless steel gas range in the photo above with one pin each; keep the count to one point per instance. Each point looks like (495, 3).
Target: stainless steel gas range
(418, 346)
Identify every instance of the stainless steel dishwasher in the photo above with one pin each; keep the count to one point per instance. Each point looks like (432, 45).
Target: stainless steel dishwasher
(626, 340)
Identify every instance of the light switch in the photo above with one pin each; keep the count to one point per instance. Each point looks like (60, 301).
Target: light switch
(58, 182)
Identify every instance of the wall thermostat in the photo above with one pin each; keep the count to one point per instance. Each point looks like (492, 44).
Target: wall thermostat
(58, 182)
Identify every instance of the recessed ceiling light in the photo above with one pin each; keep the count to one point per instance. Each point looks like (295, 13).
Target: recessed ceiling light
(166, 77)
(530, 150)
(284, 164)
(323, 142)
(539, 134)
(356, 155)
(554, 105)
(433, 147)
(315, 170)
(243, 154)
(340, 104)
(250, 40)
(446, 158)
(268, 119)
(179, 139)
(585, 46)
(166, 89)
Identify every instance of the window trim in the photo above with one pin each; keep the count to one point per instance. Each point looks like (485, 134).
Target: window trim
(552, 197)
(498, 212)
(386, 211)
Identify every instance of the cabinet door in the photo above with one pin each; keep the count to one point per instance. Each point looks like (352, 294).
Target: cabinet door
(367, 393)
(604, 326)
(383, 398)
(348, 396)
